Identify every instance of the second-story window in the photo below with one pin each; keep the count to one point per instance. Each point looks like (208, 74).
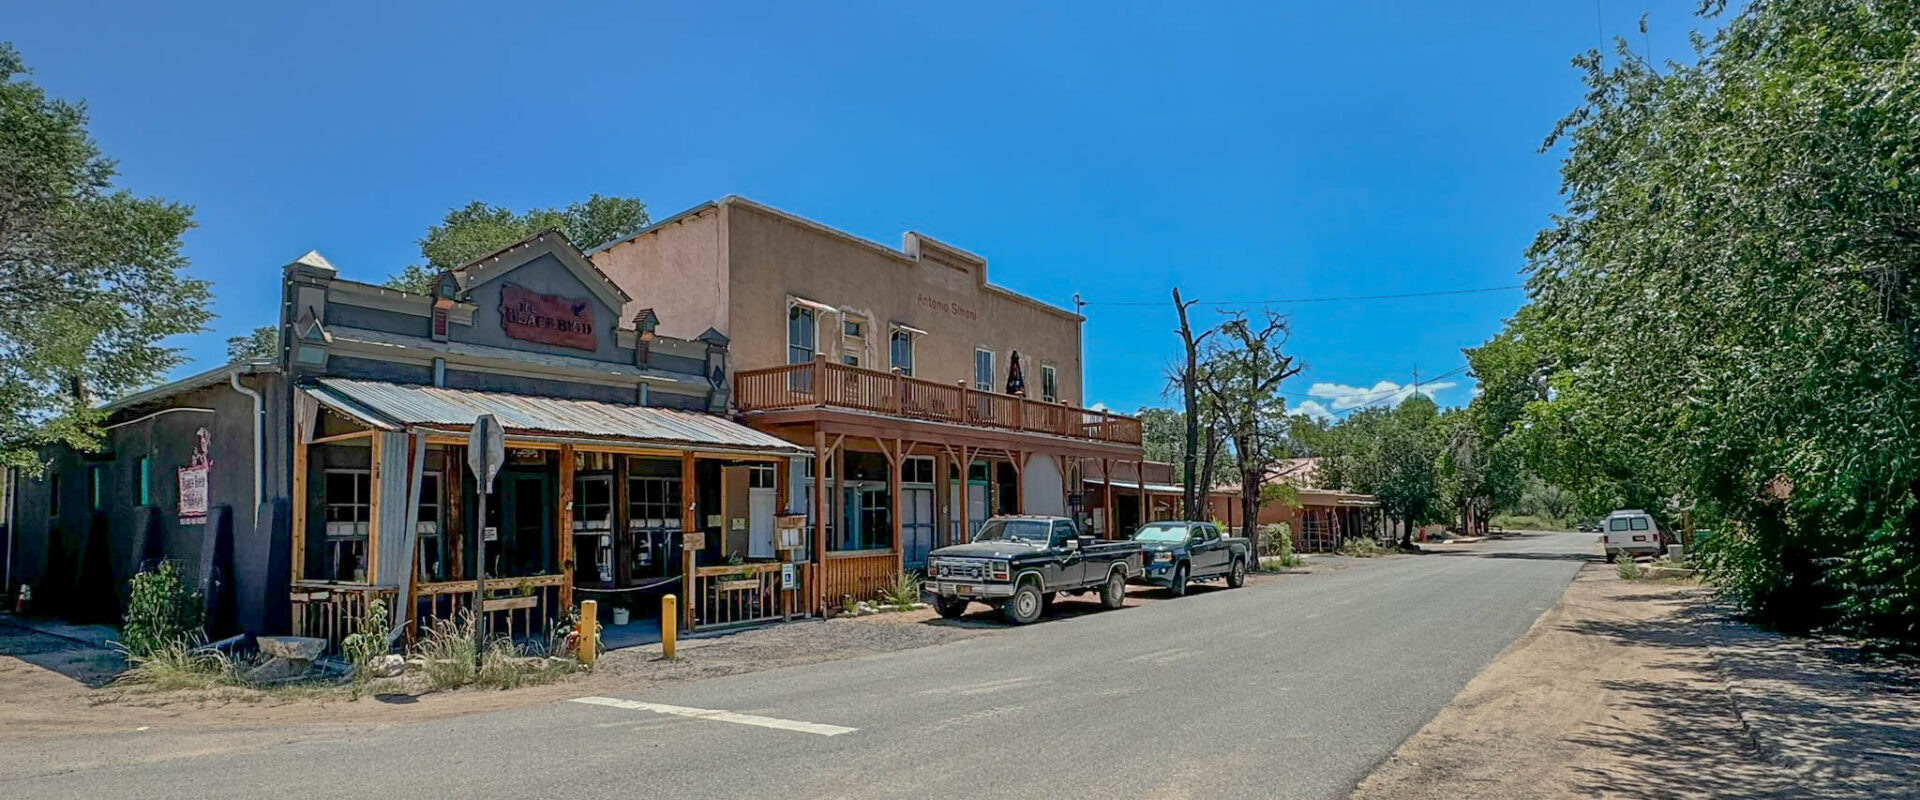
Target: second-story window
(1049, 384)
(983, 369)
(801, 337)
(902, 352)
(853, 328)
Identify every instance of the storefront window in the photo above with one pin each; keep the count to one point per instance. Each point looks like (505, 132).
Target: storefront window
(653, 520)
(347, 513)
(428, 525)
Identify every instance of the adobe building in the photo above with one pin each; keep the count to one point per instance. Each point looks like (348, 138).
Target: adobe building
(1324, 518)
(930, 398)
(297, 489)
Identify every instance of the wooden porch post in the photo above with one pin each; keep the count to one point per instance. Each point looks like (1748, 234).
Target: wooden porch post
(299, 528)
(1018, 458)
(895, 459)
(819, 506)
(965, 500)
(563, 549)
(376, 448)
(455, 536)
(689, 525)
(1108, 527)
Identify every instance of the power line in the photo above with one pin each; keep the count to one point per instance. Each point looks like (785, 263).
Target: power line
(1311, 299)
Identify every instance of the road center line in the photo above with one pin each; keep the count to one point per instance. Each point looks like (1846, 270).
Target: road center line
(718, 716)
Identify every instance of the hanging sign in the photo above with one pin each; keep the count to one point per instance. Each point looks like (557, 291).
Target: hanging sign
(786, 576)
(547, 319)
(193, 482)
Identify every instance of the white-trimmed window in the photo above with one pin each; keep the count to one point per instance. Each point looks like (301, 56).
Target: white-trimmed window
(803, 338)
(347, 494)
(983, 369)
(1049, 384)
(900, 346)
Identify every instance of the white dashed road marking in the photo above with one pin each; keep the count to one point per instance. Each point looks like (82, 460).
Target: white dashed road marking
(718, 716)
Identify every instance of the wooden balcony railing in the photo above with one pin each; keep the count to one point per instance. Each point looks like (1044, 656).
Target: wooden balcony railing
(821, 383)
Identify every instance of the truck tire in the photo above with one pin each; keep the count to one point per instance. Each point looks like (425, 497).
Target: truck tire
(1026, 603)
(1114, 594)
(951, 607)
(1178, 586)
(1237, 574)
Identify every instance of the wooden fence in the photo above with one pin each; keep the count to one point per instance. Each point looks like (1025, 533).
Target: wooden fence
(860, 574)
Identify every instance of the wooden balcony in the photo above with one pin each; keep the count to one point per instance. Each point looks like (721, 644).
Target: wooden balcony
(823, 384)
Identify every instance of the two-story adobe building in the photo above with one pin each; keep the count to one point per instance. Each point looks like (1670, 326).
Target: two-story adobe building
(929, 398)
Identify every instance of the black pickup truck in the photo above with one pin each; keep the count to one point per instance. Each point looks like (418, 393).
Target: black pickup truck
(1019, 563)
(1178, 552)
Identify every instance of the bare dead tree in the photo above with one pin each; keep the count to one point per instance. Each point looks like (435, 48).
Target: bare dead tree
(1192, 495)
(1240, 378)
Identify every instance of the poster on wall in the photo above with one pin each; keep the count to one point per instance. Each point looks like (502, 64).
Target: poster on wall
(193, 482)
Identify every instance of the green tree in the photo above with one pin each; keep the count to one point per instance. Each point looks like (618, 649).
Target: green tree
(91, 277)
(1240, 378)
(263, 342)
(1729, 302)
(1390, 453)
(477, 229)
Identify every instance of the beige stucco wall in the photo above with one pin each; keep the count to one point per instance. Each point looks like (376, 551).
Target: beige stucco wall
(941, 292)
(768, 257)
(678, 270)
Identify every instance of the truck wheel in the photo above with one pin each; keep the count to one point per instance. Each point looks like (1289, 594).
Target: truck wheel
(951, 607)
(1114, 594)
(1025, 605)
(1237, 577)
(1178, 586)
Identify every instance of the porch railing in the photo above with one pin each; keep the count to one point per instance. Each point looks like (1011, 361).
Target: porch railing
(822, 383)
(860, 574)
(514, 606)
(332, 611)
(742, 594)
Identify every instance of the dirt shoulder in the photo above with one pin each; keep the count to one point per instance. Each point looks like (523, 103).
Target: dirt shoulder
(1619, 691)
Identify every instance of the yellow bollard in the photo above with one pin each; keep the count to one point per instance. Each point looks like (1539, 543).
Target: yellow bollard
(669, 624)
(589, 647)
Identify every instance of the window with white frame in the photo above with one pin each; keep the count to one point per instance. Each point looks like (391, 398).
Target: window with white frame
(802, 334)
(983, 369)
(901, 347)
(1049, 384)
(346, 506)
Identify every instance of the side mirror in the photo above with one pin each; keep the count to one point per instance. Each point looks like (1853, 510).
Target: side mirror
(1072, 544)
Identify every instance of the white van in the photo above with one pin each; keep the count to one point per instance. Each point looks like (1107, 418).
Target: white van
(1631, 531)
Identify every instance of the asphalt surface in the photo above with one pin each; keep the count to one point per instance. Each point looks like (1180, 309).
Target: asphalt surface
(1289, 688)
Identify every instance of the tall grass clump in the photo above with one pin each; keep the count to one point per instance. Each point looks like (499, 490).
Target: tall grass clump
(448, 652)
(902, 592)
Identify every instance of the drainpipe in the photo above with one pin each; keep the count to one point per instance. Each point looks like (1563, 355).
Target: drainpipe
(9, 486)
(259, 445)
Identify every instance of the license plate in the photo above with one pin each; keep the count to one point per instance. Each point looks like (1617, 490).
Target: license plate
(1639, 538)
(961, 588)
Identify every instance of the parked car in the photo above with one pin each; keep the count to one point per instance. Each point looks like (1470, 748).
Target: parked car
(1178, 553)
(1631, 531)
(1583, 527)
(1019, 564)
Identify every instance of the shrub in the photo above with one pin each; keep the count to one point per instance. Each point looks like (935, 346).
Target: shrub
(367, 643)
(903, 592)
(160, 612)
(1277, 540)
(1627, 567)
(1361, 547)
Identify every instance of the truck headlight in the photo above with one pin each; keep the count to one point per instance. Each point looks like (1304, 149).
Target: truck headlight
(1162, 556)
(998, 569)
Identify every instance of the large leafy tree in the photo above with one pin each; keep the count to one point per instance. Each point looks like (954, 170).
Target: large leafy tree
(1730, 302)
(1390, 453)
(91, 277)
(477, 229)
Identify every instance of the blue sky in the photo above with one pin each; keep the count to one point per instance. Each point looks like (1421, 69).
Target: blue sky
(1239, 151)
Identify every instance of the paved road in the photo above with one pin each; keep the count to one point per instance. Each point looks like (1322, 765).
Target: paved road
(1291, 688)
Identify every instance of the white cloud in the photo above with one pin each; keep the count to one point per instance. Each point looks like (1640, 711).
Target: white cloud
(1314, 409)
(1384, 393)
(1097, 407)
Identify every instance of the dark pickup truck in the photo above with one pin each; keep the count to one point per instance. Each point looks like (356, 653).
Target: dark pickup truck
(1178, 552)
(1018, 564)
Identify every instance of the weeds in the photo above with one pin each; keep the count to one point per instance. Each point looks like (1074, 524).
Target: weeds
(160, 612)
(366, 644)
(903, 592)
(179, 666)
(1627, 568)
(448, 653)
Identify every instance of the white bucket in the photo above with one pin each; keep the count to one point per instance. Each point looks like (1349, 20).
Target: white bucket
(622, 616)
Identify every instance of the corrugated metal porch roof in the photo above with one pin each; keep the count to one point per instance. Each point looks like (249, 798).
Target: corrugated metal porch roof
(405, 405)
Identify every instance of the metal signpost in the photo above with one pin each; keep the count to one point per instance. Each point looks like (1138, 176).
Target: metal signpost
(486, 450)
